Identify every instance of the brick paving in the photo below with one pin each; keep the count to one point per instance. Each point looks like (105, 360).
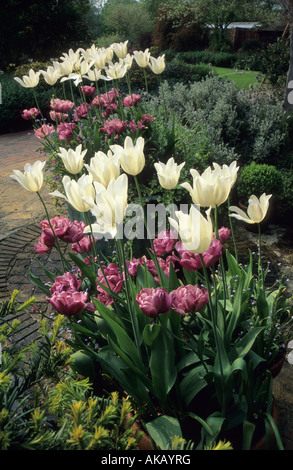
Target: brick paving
(20, 215)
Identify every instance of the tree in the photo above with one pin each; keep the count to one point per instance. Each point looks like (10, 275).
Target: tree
(41, 29)
(128, 19)
(287, 6)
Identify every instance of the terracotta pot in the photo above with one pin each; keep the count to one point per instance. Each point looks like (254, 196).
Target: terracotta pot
(145, 443)
(276, 368)
(261, 443)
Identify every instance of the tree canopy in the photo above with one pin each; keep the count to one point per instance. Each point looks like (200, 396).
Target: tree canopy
(40, 29)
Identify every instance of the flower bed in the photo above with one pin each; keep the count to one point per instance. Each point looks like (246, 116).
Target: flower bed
(182, 329)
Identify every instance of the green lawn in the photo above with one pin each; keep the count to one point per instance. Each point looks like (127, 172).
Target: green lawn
(242, 78)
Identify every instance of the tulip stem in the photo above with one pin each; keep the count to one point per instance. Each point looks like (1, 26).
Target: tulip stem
(92, 237)
(148, 234)
(260, 270)
(56, 239)
(232, 232)
(121, 257)
(214, 325)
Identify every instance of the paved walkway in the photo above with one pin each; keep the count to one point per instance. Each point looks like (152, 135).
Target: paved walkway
(20, 215)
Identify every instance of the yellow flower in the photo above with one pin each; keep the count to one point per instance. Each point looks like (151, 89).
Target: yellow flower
(157, 65)
(256, 211)
(104, 168)
(142, 58)
(72, 159)
(29, 81)
(131, 156)
(32, 178)
(196, 231)
(212, 187)
(168, 173)
(76, 190)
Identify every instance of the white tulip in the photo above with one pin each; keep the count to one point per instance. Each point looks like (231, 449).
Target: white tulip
(72, 159)
(168, 173)
(32, 178)
(196, 231)
(76, 190)
(104, 168)
(256, 211)
(29, 81)
(109, 206)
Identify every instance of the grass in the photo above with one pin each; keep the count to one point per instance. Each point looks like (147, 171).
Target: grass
(242, 78)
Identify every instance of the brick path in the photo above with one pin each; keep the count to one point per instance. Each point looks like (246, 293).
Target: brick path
(20, 215)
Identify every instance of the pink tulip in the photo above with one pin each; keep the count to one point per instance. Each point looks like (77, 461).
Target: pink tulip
(114, 126)
(131, 100)
(59, 225)
(65, 131)
(132, 265)
(61, 106)
(66, 282)
(224, 234)
(82, 246)
(58, 117)
(41, 247)
(152, 301)
(81, 111)
(164, 242)
(88, 90)
(44, 131)
(147, 118)
(31, 113)
(189, 299)
(132, 126)
(68, 302)
(74, 232)
(111, 278)
(192, 262)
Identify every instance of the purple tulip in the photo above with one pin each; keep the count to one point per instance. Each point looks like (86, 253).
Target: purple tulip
(152, 301)
(192, 262)
(164, 242)
(66, 282)
(189, 299)
(68, 302)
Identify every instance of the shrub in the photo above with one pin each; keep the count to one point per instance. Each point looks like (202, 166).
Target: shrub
(179, 71)
(244, 126)
(218, 59)
(251, 45)
(273, 61)
(258, 179)
(44, 405)
(285, 207)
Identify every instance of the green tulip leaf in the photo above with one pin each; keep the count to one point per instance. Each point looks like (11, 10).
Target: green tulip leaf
(150, 333)
(162, 431)
(83, 364)
(162, 365)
